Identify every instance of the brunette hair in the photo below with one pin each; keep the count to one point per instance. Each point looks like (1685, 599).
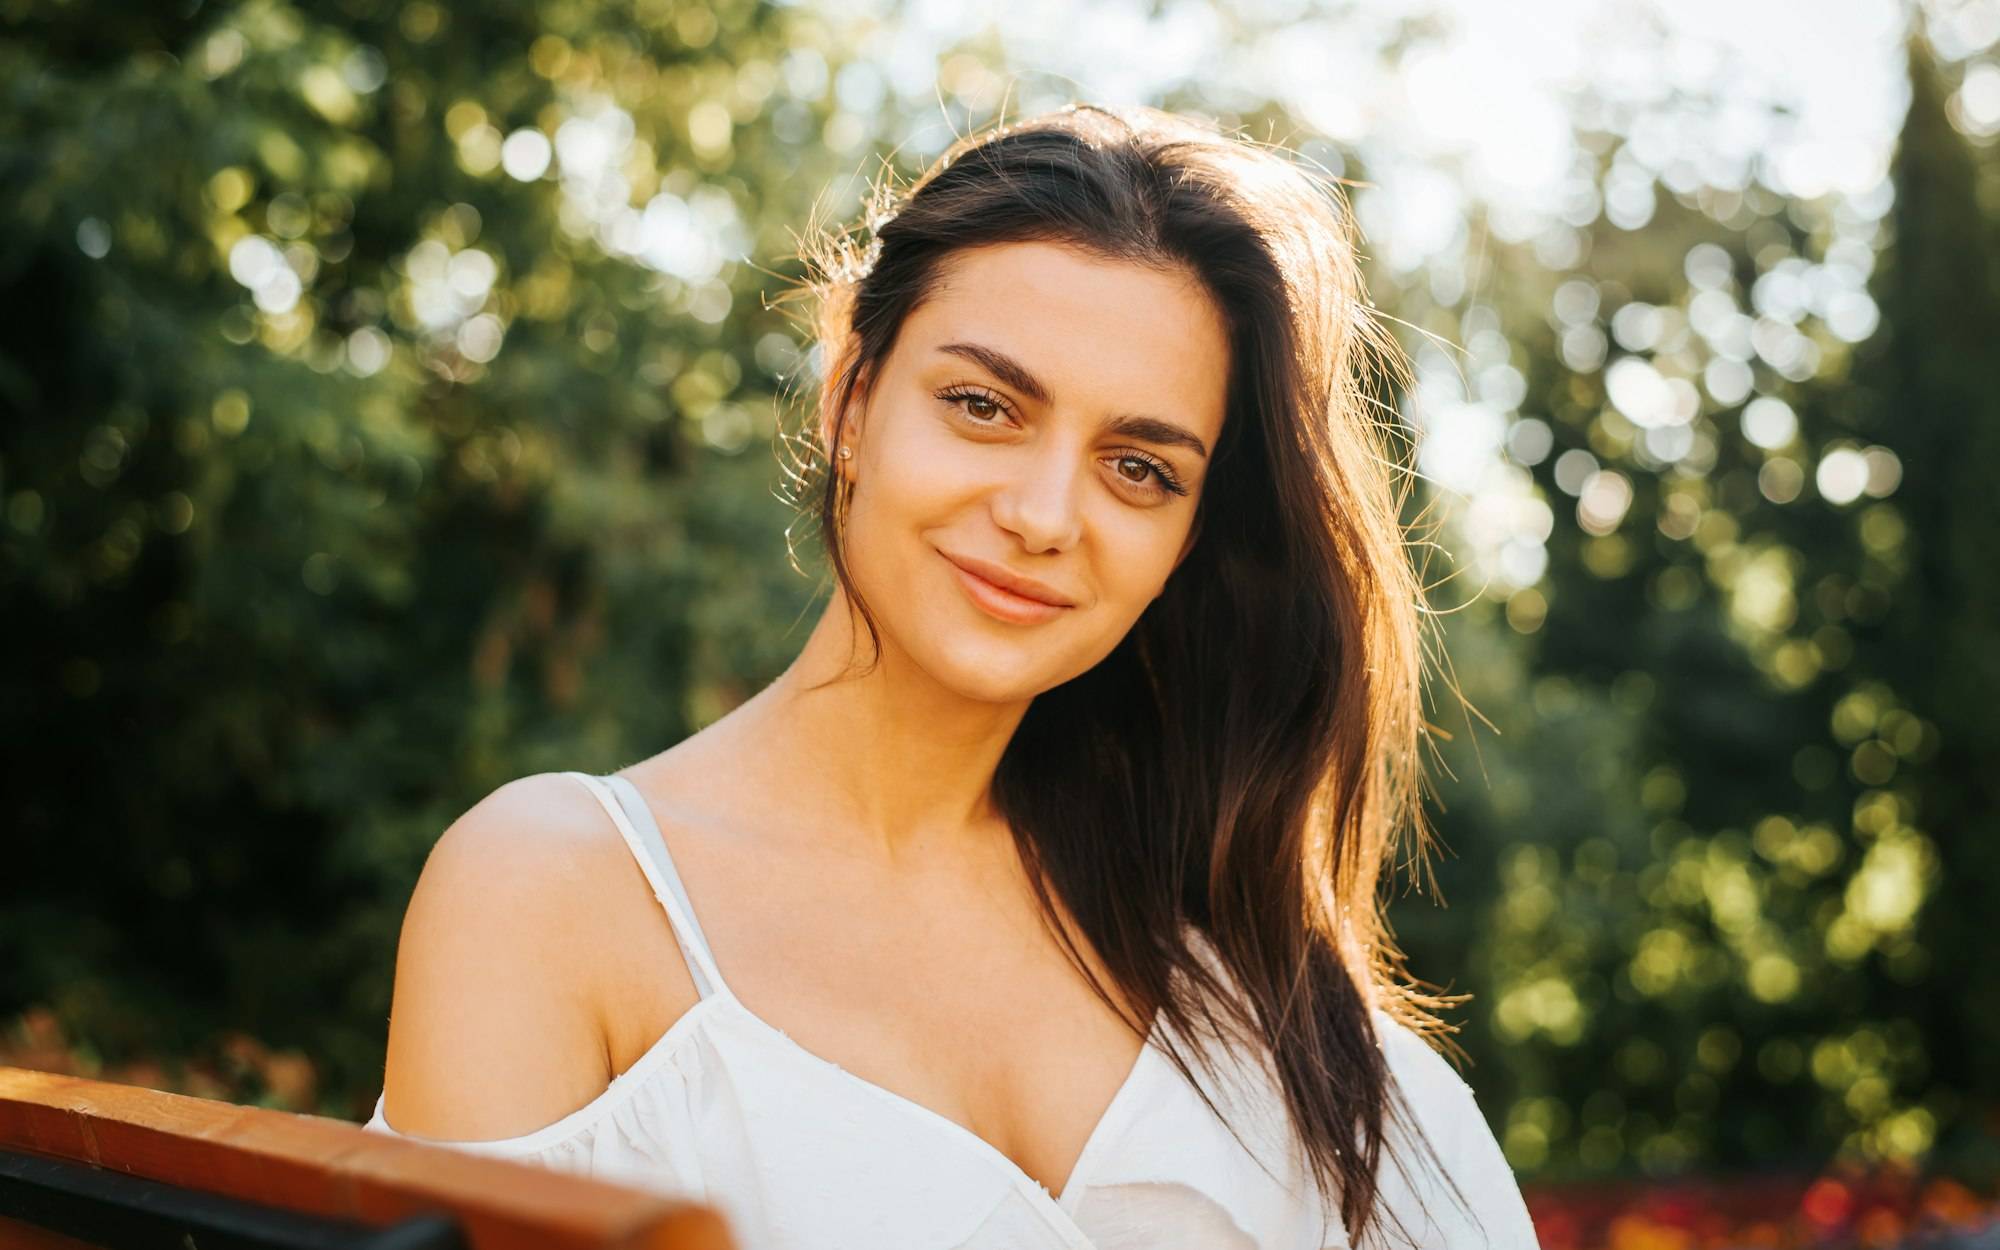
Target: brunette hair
(1246, 760)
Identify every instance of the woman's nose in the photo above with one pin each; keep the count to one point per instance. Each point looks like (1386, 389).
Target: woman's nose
(1042, 504)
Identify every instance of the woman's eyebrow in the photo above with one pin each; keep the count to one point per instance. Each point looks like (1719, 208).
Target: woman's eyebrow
(1131, 425)
(1154, 430)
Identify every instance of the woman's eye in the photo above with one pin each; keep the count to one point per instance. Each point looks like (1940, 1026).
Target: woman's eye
(1163, 480)
(1149, 476)
(981, 408)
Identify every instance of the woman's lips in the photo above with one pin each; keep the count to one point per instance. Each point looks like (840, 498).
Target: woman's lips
(1001, 604)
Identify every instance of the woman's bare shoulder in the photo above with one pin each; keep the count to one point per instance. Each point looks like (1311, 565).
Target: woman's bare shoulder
(497, 1024)
(527, 853)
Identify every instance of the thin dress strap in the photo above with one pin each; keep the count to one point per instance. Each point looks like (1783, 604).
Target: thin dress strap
(627, 808)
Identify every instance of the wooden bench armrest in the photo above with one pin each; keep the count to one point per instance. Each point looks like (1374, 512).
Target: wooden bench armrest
(334, 1169)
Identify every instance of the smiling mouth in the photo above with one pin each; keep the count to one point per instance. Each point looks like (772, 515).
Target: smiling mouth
(1003, 604)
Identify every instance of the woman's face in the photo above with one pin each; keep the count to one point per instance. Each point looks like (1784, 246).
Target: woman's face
(1043, 414)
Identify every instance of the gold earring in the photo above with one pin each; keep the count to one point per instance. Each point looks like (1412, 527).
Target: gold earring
(847, 453)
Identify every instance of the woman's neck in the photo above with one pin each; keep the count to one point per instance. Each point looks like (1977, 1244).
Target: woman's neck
(893, 761)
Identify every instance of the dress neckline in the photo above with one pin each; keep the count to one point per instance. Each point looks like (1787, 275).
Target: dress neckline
(657, 862)
(1072, 1185)
(694, 947)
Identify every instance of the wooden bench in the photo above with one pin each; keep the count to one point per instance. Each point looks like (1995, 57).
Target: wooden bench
(86, 1163)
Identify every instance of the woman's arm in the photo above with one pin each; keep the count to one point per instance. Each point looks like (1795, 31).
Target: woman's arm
(494, 1027)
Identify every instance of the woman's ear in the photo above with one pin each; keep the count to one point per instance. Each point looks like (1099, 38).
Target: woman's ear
(850, 430)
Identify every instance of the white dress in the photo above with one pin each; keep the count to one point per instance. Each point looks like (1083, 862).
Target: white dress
(800, 1154)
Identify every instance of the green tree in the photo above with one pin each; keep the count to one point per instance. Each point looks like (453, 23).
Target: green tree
(354, 463)
(1925, 386)
(1742, 731)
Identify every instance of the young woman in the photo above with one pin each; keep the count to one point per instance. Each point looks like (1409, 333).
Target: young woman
(1046, 914)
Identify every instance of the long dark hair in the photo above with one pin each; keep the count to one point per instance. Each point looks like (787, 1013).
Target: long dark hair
(1247, 759)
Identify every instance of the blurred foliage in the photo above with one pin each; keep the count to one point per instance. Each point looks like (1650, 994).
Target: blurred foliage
(1731, 850)
(1882, 1208)
(386, 401)
(348, 476)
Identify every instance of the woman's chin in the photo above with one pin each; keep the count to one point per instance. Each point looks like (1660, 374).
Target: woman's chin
(993, 673)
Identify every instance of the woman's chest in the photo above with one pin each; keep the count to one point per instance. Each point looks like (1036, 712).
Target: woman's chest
(802, 1154)
(943, 988)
